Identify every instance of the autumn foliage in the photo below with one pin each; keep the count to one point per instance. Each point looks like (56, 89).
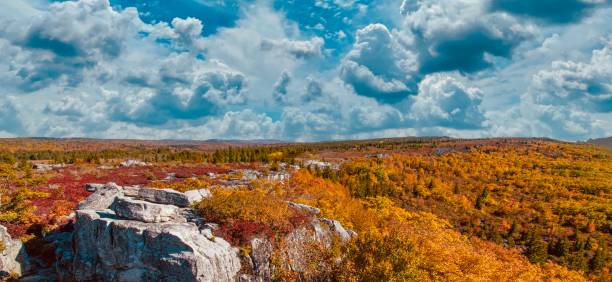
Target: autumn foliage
(425, 209)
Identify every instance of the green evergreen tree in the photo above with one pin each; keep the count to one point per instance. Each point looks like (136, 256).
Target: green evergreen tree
(479, 203)
(536, 250)
(599, 259)
(578, 261)
(588, 245)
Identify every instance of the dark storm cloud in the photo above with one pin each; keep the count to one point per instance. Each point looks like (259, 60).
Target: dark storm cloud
(553, 11)
(464, 52)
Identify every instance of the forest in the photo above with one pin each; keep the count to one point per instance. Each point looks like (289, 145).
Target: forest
(424, 209)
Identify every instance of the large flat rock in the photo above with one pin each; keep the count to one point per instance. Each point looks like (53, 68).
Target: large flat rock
(143, 211)
(164, 196)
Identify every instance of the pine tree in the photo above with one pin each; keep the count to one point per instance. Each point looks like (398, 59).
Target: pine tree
(562, 247)
(536, 250)
(588, 245)
(579, 261)
(479, 201)
(599, 259)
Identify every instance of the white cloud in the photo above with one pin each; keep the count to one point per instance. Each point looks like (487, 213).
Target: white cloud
(579, 84)
(299, 49)
(444, 101)
(461, 34)
(380, 65)
(83, 68)
(187, 32)
(545, 121)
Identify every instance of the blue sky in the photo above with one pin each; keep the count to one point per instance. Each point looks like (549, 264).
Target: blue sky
(305, 70)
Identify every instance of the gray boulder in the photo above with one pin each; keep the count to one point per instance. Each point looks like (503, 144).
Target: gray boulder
(261, 252)
(195, 196)
(164, 196)
(13, 258)
(143, 211)
(295, 250)
(338, 230)
(306, 208)
(102, 198)
(131, 191)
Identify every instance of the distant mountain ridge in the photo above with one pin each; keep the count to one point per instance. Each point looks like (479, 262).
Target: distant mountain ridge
(606, 141)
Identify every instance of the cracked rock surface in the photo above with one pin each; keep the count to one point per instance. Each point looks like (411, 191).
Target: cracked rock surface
(146, 237)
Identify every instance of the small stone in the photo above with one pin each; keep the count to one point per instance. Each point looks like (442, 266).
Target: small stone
(93, 187)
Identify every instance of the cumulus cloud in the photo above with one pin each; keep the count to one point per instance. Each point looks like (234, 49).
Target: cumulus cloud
(586, 85)
(262, 46)
(86, 68)
(88, 47)
(306, 125)
(305, 49)
(180, 87)
(314, 90)
(187, 32)
(68, 106)
(59, 46)
(461, 34)
(528, 119)
(434, 37)
(380, 65)
(444, 101)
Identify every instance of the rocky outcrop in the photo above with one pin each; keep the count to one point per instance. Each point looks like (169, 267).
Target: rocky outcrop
(142, 234)
(13, 259)
(146, 235)
(296, 247)
(111, 249)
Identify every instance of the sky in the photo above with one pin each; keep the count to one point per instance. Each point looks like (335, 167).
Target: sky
(305, 70)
